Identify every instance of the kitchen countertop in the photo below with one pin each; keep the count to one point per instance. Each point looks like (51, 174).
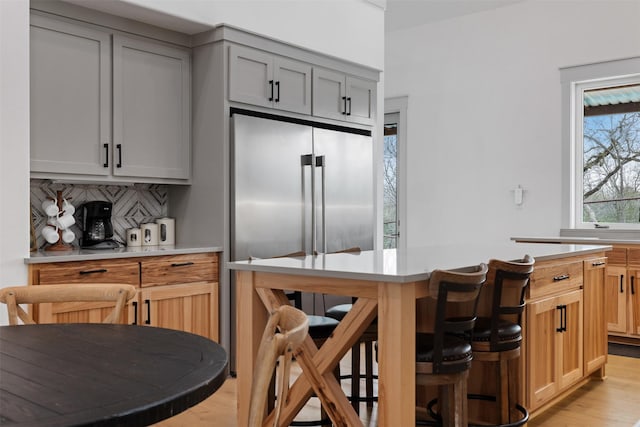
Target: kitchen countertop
(391, 265)
(125, 252)
(577, 240)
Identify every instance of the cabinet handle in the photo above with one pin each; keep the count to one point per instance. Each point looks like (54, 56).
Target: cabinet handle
(597, 263)
(148, 304)
(106, 155)
(135, 312)
(633, 288)
(560, 329)
(561, 277)
(622, 283)
(278, 95)
(100, 270)
(564, 309)
(119, 147)
(349, 100)
(271, 83)
(181, 264)
(344, 110)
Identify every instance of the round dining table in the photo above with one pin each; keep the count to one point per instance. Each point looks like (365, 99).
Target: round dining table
(103, 375)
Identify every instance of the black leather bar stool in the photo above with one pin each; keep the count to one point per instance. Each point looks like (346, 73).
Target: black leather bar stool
(498, 338)
(443, 357)
(369, 336)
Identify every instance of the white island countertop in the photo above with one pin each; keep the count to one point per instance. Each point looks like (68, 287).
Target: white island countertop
(413, 264)
(77, 254)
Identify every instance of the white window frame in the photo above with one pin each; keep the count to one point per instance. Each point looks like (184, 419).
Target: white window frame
(574, 82)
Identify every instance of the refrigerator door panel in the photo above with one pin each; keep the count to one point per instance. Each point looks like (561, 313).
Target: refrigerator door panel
(343, 190)
(272, 188)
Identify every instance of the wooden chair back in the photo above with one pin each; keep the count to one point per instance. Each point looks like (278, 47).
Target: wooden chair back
(456, 293)
(286, 329)
(119, 294)
(509, 280)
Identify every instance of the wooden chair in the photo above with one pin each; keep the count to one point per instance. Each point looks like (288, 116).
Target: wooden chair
(119, 294)
(497, 338)
(443, 357)
(286, 329)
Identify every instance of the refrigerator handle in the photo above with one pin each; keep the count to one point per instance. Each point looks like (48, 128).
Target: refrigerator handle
(307, 160)
(320, 163)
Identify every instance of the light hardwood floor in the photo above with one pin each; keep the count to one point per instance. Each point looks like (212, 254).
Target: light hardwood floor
(614, 402)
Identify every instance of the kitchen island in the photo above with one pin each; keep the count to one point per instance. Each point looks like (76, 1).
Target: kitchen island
(387, 284)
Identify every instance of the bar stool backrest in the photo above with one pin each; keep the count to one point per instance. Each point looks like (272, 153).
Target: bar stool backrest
(510, 282)
(456, 293)
(286, 329)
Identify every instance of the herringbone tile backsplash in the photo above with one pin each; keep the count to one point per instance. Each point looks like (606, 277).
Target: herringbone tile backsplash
(132, 205)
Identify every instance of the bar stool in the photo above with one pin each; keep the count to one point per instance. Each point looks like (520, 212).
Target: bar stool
(443, 357)
(368, 337)
(498, 338)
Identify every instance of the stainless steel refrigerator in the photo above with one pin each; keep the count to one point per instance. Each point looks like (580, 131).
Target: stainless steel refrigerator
(299, 187)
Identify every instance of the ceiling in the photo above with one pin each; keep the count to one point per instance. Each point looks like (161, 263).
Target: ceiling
(402, 14)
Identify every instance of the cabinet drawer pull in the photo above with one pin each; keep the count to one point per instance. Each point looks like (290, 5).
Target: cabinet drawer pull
(100, 270)
(181, 264)
(622, 283)
(561, 277)
(633, 288)
(597, 263)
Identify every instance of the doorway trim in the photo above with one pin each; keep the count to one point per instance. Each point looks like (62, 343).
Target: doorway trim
(399, 105)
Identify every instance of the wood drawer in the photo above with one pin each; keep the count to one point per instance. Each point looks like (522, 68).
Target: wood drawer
(633, 256)
(617, 256)
(555, 277)
(89, 272)
(170, 270)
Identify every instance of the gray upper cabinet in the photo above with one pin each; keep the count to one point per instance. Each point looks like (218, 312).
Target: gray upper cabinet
(267, 80)
(343, 97)
(107, 106)
(70, 98)
(151, 109)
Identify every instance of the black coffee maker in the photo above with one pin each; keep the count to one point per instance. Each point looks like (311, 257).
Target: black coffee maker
(97, 230)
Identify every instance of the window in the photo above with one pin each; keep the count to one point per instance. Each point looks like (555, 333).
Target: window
(605, 141)
(390, 195)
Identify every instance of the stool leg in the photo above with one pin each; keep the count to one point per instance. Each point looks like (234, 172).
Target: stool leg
(368, 360)
(355, 377)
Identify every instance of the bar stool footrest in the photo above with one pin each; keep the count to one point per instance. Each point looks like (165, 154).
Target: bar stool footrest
(520, 408)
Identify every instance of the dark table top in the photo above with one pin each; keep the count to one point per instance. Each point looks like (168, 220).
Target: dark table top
(103, 375)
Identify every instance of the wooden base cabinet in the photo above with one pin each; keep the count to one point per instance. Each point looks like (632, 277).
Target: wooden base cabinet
(623, 294)
(565, 332)
(175, 291)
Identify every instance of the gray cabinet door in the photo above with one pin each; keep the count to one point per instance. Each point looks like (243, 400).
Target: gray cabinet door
(70, 98)
(329, 94)
(360, 100)
(292, 80)
(151, 109)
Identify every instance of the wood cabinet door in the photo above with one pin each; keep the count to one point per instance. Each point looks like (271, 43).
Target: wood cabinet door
(616, 299)
(292, 80)
(570, 362)
(190, 307)
(595, 322)
(83, 312)
(361, 96)
(634, 302)
(543, 354)
(329, 94)
(70, 98)
(151, 109)
(251, 77)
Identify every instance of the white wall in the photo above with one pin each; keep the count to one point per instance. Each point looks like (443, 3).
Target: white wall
(484, 112)
(14, 143)
(348, 29)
